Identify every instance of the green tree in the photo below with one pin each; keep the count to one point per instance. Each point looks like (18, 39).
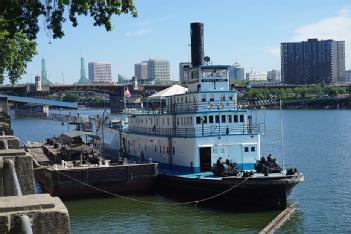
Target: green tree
(19, 26)
(15, 53)
(333, 91)
(348, 89)
(23, 15)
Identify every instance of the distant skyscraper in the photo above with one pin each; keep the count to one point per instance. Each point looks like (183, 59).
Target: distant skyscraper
(140, 71)
(274, 76)
(44, 74)
(83, 78)
(100, 72)
(183, 76)
(313, 61)
(158, 69)
(236, 72)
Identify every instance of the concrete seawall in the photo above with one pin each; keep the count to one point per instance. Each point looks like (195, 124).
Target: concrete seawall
(22, 211)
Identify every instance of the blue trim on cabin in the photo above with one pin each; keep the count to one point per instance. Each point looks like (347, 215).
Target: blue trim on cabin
(245, 166)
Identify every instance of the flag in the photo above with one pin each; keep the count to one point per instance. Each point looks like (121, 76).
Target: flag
(126, 91)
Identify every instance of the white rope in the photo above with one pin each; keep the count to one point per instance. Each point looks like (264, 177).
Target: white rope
(155, 203)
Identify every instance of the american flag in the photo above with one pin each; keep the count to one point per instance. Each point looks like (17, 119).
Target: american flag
(126, 91)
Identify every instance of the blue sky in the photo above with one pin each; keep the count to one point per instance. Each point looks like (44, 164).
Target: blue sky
(249, 32)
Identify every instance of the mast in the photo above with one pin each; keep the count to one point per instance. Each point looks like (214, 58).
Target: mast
(281, 134)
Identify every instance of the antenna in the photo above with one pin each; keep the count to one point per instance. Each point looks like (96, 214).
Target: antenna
(281, 134)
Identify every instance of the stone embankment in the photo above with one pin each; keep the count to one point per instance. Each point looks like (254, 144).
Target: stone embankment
(21, 210)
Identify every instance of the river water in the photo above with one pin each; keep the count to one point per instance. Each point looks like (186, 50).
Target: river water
(318, 143)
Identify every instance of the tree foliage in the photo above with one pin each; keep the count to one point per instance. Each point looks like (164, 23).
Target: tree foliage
(15, 53)
(19, 26)
(23, 15)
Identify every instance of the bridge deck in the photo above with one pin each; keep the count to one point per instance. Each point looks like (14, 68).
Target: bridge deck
(41, 101)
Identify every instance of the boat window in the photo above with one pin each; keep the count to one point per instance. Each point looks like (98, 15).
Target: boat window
(253, 149)
(217, 118)
(163, 147)
(203, 98)
(230, 98)
(191, 120)
(167, 121)
(210, 119)
(212, 99)
(177, 121)
(246, 149)
(241, 118)
(229, 118)
(173, 150)
(223, 98)
(198, 119)
(204, 119)
(155, 148)
(235, 118)
(223, 118)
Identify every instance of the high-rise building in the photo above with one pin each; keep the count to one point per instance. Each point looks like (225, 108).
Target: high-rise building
(312, 61)
(183, 76)
(140, 71)
(100, 72)
(152, 69)
(236, 72)
(274, 76)
(83, 77)
(44, 74)
(158, 69)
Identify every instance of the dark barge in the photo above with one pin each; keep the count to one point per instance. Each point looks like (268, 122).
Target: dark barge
(257, 192)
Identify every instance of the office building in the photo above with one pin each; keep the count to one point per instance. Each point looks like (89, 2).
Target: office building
(158, 69)
(183, 76)
(312, 61)
(256, 76)
(140, 71)
(274, 76)
(236, 72)
(347, 76)
(152, 69)
(100, 72)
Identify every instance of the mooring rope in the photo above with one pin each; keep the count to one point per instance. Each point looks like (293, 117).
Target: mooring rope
(155, 203)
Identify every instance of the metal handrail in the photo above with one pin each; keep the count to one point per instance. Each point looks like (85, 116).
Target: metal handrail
(195, 131)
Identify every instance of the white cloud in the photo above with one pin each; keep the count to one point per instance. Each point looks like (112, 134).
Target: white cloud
(138, 33)
(336, 27)
(275, 51)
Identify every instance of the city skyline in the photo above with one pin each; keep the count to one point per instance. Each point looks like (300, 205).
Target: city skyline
(257, 46)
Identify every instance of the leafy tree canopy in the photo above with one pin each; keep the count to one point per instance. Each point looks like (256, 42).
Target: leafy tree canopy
(19, 26)
(23, 15)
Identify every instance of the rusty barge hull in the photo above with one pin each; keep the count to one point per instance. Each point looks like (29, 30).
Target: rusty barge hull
(97, 181)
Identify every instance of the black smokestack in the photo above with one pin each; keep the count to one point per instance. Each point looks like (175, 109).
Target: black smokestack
(197, 44)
